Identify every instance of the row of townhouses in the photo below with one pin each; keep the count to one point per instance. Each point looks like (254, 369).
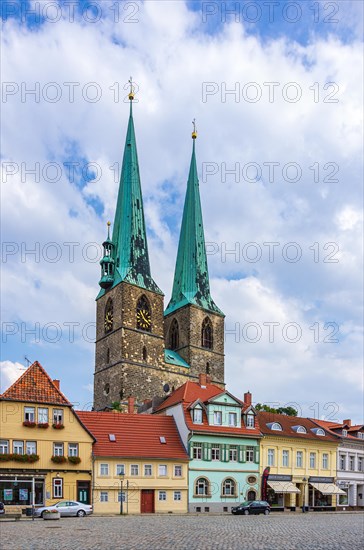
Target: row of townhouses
(201, 449)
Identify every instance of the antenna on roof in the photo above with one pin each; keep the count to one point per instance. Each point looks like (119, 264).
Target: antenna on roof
(27, 360)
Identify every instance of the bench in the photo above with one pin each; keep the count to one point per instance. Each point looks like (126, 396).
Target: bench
(12, 515)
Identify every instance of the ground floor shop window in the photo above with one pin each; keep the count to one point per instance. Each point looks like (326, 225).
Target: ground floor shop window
(316, 498)
(275, 499)
(343, 499)
(19, 492)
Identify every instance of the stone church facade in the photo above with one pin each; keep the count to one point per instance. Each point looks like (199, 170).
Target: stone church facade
(142, 349)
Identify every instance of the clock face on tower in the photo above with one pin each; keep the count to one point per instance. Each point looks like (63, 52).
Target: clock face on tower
(143, 319)
(108, 322)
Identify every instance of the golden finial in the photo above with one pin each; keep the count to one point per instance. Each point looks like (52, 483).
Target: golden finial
(132, 88)
(194, 133)
(108, 229)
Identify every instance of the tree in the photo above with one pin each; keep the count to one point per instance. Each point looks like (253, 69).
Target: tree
(289, 411)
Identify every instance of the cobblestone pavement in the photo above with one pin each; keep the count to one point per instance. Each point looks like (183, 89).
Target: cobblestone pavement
(278, 531)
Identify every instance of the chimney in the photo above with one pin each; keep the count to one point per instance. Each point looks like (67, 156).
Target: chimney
(247, 399)
(347, 421)
(202, 379)
(131, 401)
(57, 384)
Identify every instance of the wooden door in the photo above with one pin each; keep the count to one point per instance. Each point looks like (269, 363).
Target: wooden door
(147, 501)
(83, 492)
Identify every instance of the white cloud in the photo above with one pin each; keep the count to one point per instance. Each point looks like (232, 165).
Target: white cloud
(9, 373)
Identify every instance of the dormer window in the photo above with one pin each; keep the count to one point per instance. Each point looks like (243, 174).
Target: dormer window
(345, 433)
(276, 426)
(299, 429)
(318, 431)
(218, 418)
(197, 416)
(250, 421)
(232, 419)
(361, 435)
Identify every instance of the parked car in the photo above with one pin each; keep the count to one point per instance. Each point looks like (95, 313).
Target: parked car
(2, 509)
(66, 508)
(252, 507)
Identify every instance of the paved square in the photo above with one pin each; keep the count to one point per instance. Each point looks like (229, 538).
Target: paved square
(278, 531)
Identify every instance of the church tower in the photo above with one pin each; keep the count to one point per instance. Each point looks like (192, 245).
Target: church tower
(129, 318)
(194, 325)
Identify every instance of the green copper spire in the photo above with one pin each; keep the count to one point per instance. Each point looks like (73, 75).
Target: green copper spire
(129, 235)
(191, 279)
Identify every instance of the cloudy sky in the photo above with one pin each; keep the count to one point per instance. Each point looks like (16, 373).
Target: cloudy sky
(276, 90)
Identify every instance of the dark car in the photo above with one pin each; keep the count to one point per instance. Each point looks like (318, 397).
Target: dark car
(252, 507)
(2, 509)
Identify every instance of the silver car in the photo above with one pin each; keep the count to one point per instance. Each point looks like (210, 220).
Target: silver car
(66, 508)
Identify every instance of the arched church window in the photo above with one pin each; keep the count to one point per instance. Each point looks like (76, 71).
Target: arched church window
(174, 335)
(109, 316)
(143, 314)
(207, 334)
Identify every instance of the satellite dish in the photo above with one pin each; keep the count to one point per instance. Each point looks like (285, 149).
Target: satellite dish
(166, 388)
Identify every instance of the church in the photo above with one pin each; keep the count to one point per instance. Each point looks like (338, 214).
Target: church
(143, 349)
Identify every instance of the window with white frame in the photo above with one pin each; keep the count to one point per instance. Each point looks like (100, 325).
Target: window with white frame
(120, 469)
(177, 495)
(215, 452)
(271, 457)
(18, 447)
(162, 470)
(201, 487)
(312, 460)
(31, 447)
(342, 462)
(104, 496)
(4, 446)
(228, 488)
(285, 458)
(345, 433)
(218, 418)
(250, 420)
(276, 426)
(361, 435)
(178, 471)
(299, 459)
(134, 469)
(352, 463)
(197, 416)
(57, 487)
(58, 449)
(147, 470)
(233, 453)
(121, 496)
(57, 416)
(249, 453)
(29, 414)
(162, 495)
(104, 469)
(42, 415)
(325, 461)
(72, 449)
(233, 419)
(360, 463)
(197, 451)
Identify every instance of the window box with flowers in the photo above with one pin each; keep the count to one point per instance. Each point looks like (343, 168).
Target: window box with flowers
(58, 459)
(43, 425)
(74, 459)
(51, 514)
(30, 458)
(58, 426)
(29, 424)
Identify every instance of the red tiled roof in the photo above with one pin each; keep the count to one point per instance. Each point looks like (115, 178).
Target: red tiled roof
(332, 426)
(136, 435)
(35, 386)
(190, 392)
(287, 423)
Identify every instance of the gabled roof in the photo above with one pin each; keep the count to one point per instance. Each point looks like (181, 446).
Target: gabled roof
(189, 394)
(135, 435)
(288, 422)
(35, 386)
(331, 427)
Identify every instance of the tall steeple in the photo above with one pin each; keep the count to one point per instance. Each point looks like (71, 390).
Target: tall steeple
(191, 280)
(129, 239)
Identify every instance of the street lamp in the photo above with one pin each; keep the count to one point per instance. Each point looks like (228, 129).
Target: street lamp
(304, 495)
(121, 494)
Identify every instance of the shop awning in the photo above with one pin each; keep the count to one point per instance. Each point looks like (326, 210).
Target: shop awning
(283, 487)
(328, 488)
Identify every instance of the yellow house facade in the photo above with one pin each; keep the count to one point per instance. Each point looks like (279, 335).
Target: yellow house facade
(139, 464)
(299, 463)
(45, 451)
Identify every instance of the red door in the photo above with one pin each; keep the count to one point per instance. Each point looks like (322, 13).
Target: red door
(147, 501)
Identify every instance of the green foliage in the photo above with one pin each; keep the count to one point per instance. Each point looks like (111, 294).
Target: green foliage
(116, 406)
(289, 411)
